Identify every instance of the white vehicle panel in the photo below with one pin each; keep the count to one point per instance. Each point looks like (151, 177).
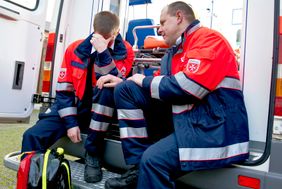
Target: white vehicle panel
(21, 45)
(256, 67)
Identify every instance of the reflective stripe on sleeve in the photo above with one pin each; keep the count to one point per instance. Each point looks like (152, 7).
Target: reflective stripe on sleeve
(103, 110)
(177, 109)
(155, 87)
(135, 114)
(231, 83)
(105, 69)
(67, 111)
(130, 132)
(207, 154)
(190, 86)
(64, 87)
(99, 126)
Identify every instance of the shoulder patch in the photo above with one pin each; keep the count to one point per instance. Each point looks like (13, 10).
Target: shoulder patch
(193, 65)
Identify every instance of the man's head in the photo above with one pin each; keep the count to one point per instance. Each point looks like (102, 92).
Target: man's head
(106, 24)
(174, 19)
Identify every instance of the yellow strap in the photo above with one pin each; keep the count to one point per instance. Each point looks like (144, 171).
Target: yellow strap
(68, 172)
(44, 171)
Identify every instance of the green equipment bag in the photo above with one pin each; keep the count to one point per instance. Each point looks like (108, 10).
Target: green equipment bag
(49, 170)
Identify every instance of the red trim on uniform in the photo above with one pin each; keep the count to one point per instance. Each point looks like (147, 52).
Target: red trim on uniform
(97, 130)
(69, 115)
(131, 119)
(131, 137)
(101, 114)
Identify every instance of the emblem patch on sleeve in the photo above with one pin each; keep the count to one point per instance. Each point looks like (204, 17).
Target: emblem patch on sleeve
(63, 73)
(123, 71)
(193, 65)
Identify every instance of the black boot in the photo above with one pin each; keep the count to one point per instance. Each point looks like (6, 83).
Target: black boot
(127, 180)
(92, 171)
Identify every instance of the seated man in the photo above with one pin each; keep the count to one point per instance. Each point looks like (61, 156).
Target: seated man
(199, 95)
(103, 52)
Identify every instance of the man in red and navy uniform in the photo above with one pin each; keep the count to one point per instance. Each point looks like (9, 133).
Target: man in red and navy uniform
(198, 94)
(80, 106)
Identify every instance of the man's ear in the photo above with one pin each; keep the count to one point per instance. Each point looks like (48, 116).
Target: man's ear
(179, 16)
(116, 31)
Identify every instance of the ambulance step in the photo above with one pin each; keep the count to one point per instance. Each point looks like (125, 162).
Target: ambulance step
(77, 174)
(12, 161)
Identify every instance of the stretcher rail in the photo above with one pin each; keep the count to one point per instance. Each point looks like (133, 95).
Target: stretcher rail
(135, 46)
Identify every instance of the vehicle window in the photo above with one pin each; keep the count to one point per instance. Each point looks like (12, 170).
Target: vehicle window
(27, 4)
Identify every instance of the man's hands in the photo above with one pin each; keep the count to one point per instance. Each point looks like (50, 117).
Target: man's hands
(99, 42)
(112, 81)
(108, 81)
(74, 134)
(137, 78)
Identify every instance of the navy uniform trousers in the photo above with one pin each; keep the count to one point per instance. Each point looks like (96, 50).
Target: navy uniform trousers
(156, 153)
(50, 127)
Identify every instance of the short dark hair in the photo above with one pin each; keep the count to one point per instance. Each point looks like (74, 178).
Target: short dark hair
(105, 22)
(183, 7)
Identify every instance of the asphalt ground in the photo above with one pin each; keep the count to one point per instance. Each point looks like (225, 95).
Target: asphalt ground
(10, 141)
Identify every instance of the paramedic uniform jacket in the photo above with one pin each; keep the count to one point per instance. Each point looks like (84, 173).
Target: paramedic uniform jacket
(73, 74)
(199, 77)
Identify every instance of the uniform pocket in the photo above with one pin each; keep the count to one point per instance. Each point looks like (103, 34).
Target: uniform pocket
(79, 69)
(207, 120)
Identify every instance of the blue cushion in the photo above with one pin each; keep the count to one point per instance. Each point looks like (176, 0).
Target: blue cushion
(139, 2)
(141, 33)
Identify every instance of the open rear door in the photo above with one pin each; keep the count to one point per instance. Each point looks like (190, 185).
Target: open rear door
(22, 26)
(258, 72)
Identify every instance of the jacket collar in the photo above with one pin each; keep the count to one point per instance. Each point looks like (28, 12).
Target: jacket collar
(83, 50)
(195, 25)
(119, 51)
(192, 27)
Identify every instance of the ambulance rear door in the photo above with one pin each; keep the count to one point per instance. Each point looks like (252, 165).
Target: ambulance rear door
(22, 25)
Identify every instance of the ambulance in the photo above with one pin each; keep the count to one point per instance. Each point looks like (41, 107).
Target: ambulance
(35, 33)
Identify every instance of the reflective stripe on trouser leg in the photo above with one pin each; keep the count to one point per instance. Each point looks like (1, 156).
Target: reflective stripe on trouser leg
(103, 109)
(102, 116)
(130, 101)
